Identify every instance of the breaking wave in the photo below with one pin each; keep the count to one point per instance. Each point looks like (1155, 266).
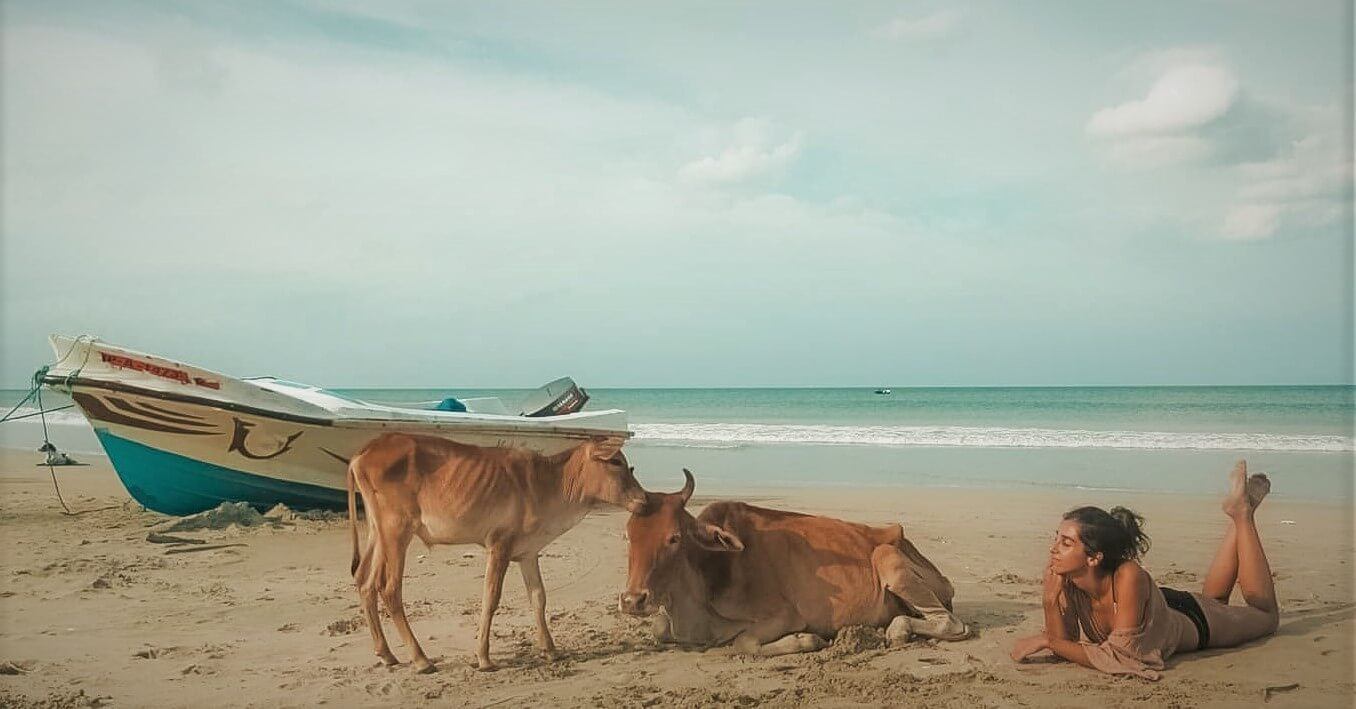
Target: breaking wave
(707, 435)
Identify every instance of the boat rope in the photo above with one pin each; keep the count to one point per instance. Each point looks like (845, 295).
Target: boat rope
(51, 470)
(45, 440)
(36, 383)
(35, 393)
(23, 401)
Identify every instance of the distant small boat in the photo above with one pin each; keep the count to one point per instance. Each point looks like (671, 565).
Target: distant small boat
(883, 391)
(184, 439)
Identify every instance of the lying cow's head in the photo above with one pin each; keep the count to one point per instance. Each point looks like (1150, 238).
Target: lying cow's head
(601, 473)
(660, 536)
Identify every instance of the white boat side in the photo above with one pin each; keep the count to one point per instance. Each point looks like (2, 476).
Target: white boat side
(181, 436)
(89, 362)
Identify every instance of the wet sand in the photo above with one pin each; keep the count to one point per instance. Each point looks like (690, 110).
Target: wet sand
(94, 614)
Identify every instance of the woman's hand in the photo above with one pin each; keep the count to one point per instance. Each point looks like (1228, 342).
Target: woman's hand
(1026, 647)
(1054, 586)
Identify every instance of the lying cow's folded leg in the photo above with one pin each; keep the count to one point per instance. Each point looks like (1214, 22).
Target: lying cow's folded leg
(760, 633)
(662, 628)
(940, 624)
(793, 643)
(899, 631)
(918, 587)
(536, 591)
(496, 563)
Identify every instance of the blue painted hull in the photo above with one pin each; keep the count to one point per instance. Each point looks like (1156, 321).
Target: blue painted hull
(177, 485)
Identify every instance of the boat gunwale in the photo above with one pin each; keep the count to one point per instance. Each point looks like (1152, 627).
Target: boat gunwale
(478, 426)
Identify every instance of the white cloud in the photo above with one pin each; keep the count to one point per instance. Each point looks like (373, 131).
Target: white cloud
(1251, 222)
(752, 151)
(1168, 126)
(937, 24)
(1183, 98)
(1194, 116)
(1308, 186)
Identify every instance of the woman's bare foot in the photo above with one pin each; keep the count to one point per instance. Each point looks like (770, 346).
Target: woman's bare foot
(1236, 502)
(1258, 486)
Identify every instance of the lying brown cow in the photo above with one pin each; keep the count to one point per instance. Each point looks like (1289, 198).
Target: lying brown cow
(511, 501)
(777, 582)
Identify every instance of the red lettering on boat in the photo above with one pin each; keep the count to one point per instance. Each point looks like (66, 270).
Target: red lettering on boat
(137, 365)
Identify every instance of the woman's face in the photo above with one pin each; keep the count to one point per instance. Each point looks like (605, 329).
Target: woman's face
(1067, 554)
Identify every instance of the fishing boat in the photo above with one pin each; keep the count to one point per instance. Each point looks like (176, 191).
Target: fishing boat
(184, 439)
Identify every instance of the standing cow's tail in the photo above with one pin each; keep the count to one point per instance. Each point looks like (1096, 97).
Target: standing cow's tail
(352, 520)
(352, 504)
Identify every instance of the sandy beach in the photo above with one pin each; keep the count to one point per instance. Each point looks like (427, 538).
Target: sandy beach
(95, 614)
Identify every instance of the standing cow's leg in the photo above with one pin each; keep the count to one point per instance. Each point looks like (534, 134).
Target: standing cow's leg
(900, 577)
(530, 566)
(496, 563)
(368, 577)
(394, 544)
(371, 571)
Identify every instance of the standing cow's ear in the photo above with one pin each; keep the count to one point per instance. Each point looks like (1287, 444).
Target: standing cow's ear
(605, 448)
(714, 538)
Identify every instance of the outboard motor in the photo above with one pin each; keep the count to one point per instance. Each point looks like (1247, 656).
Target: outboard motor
(558, 398)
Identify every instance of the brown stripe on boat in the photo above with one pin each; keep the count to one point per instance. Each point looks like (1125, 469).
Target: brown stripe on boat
(134, 408)
(171, 412)
(96, 409)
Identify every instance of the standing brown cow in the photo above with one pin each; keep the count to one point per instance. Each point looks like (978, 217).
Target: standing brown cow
(777, 582)
(511, 501)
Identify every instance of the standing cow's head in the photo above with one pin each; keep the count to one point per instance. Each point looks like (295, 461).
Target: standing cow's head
(601, 473)
(660, 536)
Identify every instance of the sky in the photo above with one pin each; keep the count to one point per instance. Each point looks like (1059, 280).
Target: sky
(683, 194)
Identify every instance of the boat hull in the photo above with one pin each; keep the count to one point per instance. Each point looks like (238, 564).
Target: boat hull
(178, 485)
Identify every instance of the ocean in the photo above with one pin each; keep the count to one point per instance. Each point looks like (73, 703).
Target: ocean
(1179, 439)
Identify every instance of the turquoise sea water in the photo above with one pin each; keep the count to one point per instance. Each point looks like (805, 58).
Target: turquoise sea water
(1154, 438)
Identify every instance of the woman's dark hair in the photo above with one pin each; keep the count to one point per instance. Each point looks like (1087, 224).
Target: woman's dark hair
(1117, 534)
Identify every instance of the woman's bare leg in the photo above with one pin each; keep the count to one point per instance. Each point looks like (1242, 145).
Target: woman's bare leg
(1223, 573)
(1240, 559)
(1254, 573)
(1245, 494)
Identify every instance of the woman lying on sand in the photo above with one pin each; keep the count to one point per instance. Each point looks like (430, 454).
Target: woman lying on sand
(1130, 626)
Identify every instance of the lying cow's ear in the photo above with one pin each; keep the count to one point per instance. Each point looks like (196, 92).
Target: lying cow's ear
(709, 536)
(605, 448)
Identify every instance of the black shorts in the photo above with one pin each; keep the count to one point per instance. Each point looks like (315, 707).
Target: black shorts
(1186, 604)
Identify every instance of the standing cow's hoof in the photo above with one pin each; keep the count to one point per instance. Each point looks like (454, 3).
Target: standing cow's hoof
(485, 665)
(424, 667)
(388, 659)
(551, 654)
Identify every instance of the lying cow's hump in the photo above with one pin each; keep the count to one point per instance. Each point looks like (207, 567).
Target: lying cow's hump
(723, 513)
(744, 518)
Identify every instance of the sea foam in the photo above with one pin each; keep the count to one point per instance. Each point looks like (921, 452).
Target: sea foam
(712, 434)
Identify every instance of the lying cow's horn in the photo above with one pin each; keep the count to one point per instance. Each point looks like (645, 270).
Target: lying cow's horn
(688, 486)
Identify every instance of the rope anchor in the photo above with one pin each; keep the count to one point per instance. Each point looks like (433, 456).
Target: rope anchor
(54, 456)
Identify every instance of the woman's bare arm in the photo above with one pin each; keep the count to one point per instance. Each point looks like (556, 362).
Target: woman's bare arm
(1132, 588)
